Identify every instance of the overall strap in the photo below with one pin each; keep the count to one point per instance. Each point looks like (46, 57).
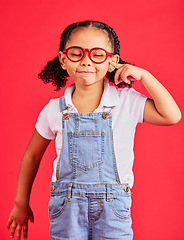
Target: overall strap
(62, 104)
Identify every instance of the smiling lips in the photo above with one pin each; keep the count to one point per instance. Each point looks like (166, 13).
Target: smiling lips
(85, 72)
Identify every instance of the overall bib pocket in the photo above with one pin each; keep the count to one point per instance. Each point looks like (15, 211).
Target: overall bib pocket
(86, 149)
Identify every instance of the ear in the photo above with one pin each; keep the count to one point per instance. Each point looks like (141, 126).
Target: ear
(115, 59)
(62, 57)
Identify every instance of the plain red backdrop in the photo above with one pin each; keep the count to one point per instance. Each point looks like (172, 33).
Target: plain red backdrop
(152, 36)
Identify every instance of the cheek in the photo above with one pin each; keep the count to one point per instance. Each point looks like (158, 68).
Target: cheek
(71, 72)
(103, 68)
(70, 67)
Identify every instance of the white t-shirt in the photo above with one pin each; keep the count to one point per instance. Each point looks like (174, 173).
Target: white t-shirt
(127, 112)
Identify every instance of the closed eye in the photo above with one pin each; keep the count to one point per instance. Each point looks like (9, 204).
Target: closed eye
(98, 55)
(76, 54)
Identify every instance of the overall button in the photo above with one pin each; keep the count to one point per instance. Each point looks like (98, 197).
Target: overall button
(66, 115)
(126, 189)
(52, 188)
(105, 115)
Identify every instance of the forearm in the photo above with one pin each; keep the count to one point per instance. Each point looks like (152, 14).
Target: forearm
(28, 170)
(22, 212)
(163, 101)
(29, 167)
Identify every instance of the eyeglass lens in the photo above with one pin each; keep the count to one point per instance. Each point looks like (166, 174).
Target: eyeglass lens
(76, 54)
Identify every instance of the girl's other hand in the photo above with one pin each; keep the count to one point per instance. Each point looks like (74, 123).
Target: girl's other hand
(127, 73)
(18, 219)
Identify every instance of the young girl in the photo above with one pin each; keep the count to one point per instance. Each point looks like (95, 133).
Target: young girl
(93, 125)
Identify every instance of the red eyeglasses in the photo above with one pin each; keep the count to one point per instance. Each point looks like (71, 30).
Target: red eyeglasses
(96, 55)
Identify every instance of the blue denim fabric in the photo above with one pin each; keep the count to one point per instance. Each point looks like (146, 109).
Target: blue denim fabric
(87, 200)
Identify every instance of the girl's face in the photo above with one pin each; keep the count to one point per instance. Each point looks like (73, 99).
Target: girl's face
(85, 72)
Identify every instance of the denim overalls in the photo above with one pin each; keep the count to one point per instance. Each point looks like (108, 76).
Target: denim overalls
(87, 200)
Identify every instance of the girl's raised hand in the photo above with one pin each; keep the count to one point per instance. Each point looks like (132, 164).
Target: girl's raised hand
(127, 73)
(18, 219)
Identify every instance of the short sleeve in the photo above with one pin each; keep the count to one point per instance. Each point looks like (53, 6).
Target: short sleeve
(136, 106)
(43, 125)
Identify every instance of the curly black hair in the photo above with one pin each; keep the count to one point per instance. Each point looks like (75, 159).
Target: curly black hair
(54, 73)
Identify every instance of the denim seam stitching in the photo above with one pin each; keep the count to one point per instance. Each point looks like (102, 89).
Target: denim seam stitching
(55, 215)
(113, 153)
(116, 213)
(94, 219)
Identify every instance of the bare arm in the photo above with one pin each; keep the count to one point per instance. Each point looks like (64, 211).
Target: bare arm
(162, 109)
(22, 212)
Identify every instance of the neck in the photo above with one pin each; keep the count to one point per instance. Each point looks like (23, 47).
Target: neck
(87, 98)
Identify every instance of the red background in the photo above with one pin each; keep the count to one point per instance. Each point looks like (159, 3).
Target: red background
(152, 37)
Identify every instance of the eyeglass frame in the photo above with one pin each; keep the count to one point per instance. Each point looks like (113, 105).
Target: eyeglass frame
(65, 51)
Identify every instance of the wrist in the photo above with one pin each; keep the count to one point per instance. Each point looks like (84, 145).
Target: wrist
(146, 77)
(21, 203)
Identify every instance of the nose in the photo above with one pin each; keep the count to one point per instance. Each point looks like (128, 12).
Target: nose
(86, 61)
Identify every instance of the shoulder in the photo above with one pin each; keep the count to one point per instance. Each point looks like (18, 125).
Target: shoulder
(133, 102)
(117, 96)
(130, 94)
(51, 107)
(122, 92)
(53, 103)
(127, 91)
